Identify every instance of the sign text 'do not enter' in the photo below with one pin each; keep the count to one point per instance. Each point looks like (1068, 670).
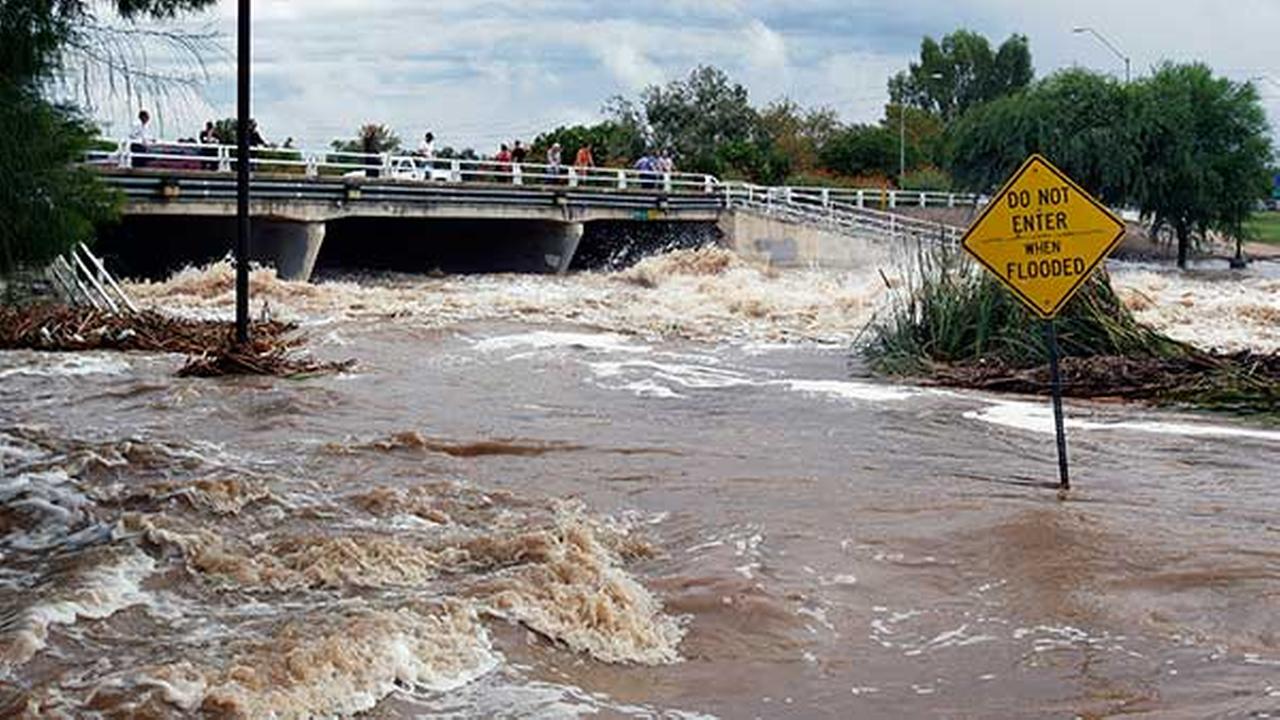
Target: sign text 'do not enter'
(1042, 235)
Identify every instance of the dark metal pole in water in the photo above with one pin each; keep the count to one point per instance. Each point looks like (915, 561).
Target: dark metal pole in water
(242, 175)
(1055, 379)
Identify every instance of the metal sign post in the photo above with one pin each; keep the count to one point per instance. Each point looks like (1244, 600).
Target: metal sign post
(1055, 380)
(1042, 236)
(242, 175)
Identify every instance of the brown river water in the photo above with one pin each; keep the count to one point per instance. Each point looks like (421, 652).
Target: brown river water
(662, 492)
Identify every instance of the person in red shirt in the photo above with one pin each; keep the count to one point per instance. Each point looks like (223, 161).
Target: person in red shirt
(504, 162)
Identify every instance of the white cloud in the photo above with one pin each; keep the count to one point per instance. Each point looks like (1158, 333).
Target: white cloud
(481, 73)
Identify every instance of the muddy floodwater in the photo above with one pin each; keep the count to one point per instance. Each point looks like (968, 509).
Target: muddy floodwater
(659, 492)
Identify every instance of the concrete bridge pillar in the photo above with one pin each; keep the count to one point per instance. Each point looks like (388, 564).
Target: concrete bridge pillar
(291, 246)
(541, 247)
(566, 246)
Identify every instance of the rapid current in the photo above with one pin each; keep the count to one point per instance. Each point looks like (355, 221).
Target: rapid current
(658, 492)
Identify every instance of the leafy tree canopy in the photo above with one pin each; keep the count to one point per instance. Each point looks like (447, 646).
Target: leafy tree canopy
(371, 138)
(862, 150)
(1184, 147)
(612, 143)
(961, 72)
(49, 203)
(707, 122)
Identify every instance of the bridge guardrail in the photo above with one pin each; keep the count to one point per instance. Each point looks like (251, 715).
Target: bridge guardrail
(806, 205)
(406, 167)
(410, 168)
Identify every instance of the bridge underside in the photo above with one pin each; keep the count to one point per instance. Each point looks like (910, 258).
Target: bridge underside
(155, 245)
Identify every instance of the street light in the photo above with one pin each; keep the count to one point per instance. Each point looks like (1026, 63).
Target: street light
(902, 132)
(1101, 38)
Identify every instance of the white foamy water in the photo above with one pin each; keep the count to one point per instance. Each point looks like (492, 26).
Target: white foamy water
(707, 294)
(544, 340)
(1224, 313)
(1038, 417)
(94, 592)
(852, 390)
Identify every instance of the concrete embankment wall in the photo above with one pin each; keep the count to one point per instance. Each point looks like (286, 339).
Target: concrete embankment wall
(787, 244)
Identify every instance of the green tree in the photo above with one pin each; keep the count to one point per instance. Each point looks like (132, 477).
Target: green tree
(708, 122)
(48, 203)
(797, 133)
(1082, 121)
(612, 143)
(1205, 149)
(1185, 148)
(961, 72)
(449, 153)
(926, 135)
(371, 138)
(863, 150)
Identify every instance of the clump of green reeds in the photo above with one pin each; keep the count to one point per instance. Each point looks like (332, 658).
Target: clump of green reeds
(951, 321)
(949, 310)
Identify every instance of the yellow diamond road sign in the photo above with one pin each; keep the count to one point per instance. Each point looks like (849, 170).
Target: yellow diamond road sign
(1043, 236)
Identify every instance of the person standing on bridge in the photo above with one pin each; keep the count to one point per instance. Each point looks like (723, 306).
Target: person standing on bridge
(427, 148)
(518, 153)
(141, 132)
(584, 158)
(140, 137)
(553, 161)
(427, 151)
(255, 135)
(503, 159)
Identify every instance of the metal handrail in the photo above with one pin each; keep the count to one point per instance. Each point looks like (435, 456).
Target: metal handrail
(88, 283)
(408, 168)
(788, 203)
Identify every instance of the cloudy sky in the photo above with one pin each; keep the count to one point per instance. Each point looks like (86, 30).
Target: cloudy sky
(479, 72)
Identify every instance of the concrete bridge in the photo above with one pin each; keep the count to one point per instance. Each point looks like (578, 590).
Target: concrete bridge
(412, 213)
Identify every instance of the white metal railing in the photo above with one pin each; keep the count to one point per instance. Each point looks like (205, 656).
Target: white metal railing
(402, 167)
(883, 198)
(806, 205)
(407, 167)
(88, 283)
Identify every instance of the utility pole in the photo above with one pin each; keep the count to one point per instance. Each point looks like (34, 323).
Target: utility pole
(242, 174)
(1109, 45)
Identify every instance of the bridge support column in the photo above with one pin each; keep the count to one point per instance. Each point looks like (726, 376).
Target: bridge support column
(570, 238)
(292, 247)
(541, 247)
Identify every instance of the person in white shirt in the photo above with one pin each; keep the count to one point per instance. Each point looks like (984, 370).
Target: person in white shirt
(427, 148)
(553, 160)
(141, 132)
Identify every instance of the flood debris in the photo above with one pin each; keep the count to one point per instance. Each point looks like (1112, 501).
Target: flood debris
(1245, 382)
(275, 348)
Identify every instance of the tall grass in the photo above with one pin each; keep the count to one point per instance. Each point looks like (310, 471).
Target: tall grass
(951, 321)
(949, 310)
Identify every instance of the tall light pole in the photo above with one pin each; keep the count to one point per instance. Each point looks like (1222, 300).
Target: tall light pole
(242, 174)
(902, 132)
(1110, 46)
